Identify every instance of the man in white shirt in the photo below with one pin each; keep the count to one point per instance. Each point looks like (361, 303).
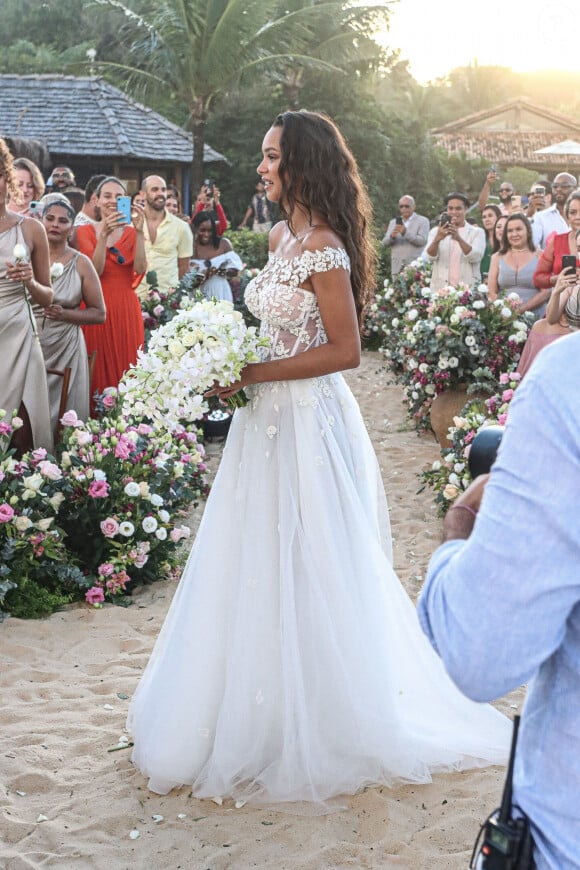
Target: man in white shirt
(552, 220)
(455, 247)
(406, 235)
(89, 214)
(168, 239)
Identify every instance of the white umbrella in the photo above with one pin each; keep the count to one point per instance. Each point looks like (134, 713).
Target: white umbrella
(567, 147)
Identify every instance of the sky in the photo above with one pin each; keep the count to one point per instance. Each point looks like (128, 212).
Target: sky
(438, 35)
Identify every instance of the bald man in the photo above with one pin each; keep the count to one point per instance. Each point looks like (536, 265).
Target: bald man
(168, 240)
(552, 220)
(406, 235)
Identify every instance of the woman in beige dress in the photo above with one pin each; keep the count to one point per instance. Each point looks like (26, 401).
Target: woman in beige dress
(62, 340)
(24, 278)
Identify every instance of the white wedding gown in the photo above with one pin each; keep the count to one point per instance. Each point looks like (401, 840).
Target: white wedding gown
(291, 665)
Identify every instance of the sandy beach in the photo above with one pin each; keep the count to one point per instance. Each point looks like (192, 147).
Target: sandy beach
(66, 681)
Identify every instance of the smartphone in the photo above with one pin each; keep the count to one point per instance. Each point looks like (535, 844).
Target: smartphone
(539, 190)
(493, 169)
(208, 184)
(124, 206)
(399, 220)
(568, 262)
(34, 207)
(445, 219)
(516, 201)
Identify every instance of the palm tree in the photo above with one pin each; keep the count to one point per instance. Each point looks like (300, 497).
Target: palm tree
(199, 49)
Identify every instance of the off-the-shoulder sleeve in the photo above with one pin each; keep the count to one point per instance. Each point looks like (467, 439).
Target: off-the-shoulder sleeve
(311, 262)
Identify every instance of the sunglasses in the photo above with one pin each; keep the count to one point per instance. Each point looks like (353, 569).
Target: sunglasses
(61, 175)
(118, 255)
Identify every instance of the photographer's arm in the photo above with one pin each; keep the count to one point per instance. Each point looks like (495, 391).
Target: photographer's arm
(436, 235)
(496, 606)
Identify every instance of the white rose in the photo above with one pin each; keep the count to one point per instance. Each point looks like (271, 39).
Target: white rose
(436, 465)
(412, 314)
(474, 350)
(161, 534)
(430, 390)
(149, 524)
(423, 368)
(20, 253)
(458, 467)
(453, 479)
(454, 319)
(514, 297)
(478, 304)
(44, 524)
(56, 500)
(126, 528)
(156, 500)
(395, 322)
(22, 523)
(469, 340)
(453, 362)
(56, 271)
(443, 363)
(506, 312)
(132, 489)
(33, 482)
(99, 474)
(164, 516)
(415, 395)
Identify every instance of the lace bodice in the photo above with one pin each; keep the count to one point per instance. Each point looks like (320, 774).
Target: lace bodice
(289, 314)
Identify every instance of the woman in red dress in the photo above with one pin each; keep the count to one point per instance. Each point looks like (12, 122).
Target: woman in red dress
(550, 263)
(117, 251)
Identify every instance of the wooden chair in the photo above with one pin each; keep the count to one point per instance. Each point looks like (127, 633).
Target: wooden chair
(65, 375)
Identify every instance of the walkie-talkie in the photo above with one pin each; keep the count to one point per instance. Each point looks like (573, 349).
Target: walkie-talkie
(507, 843)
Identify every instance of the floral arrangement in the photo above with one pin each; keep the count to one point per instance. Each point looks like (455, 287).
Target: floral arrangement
(390, 303)
(448, 338)
(102, 515)
(450, 475)
(208, 342)
(160, 306)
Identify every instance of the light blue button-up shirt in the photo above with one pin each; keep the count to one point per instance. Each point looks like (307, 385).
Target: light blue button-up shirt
(503, 607)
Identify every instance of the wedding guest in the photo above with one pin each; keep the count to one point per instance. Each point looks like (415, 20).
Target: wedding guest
(406, 235)
(506, 191)
(24, 278)
(489, 217)
(117, 250)
(501, 602)
(89, 213)
(78, 299)
(208, 199)
(168, 242)
(260, 209)
(61, 177)
(30, 185)
(552, 220)
(561, 244)
(540, 335)
(214, 258)
(173, 202)
(455, 247)
(513, 266)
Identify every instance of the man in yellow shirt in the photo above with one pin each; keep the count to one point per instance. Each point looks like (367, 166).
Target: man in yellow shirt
(168, 239)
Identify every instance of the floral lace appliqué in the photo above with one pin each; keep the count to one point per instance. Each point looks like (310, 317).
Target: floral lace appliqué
(289, 314)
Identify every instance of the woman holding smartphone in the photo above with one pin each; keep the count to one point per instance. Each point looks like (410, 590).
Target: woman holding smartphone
(559, 246)
(117, 249)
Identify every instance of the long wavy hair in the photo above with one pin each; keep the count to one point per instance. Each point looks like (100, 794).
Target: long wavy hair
(35, 175)
(319, 174)
(7, 169)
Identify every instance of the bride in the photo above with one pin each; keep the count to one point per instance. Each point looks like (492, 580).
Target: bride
(291, 666)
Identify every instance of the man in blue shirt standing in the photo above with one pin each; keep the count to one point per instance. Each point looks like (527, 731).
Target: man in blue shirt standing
(501, 602)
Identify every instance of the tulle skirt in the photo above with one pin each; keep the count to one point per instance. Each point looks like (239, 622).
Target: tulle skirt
(291, 665)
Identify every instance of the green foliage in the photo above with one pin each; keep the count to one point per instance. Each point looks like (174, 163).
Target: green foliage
(33, 601)
(251, 247)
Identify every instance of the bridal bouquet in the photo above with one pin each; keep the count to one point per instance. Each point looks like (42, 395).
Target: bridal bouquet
(205, 343)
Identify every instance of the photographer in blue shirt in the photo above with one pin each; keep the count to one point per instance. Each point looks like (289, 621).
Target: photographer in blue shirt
(501, 602)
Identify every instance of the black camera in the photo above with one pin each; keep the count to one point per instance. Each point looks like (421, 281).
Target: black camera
(399, 220)
(483, 450)
(445, 219)
(507, 841)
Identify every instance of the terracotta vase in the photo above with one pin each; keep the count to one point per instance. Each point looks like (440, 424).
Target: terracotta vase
(445, 407)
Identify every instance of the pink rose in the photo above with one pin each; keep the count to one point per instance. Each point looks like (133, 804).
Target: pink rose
(122, 450)
(106, 569)
(140, 560)
(5, 428)
(95, 596)
(99, 489)
(176, 535)
(70, 418)
(49, 470)
(38, 454)
(6, 513)
(504, 378)
(110, 527)
(501, 419)
(507, 395)
(83, 437)
(144, 429)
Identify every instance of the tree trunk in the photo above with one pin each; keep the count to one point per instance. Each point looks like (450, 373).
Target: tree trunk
(197, 170)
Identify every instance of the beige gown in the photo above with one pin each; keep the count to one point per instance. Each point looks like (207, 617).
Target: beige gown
(63, 344)
(22, 370)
